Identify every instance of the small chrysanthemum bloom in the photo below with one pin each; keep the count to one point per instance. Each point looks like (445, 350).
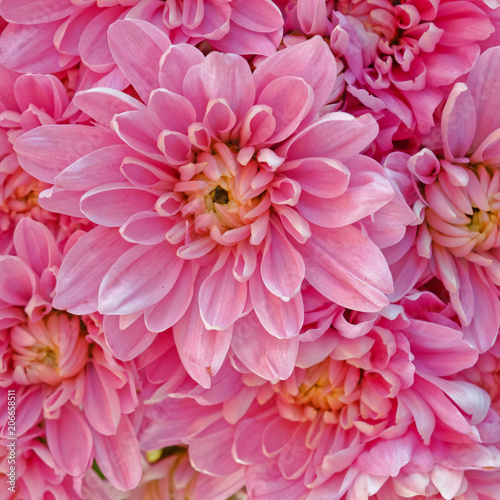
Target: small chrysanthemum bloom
(458, 199)
(76, 388)
(26, 102)
(398, 54)
(372, 396)
(46, 37)
(218, 197)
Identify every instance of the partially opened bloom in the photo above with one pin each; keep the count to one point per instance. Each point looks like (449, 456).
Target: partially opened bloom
(46, 37)
(74, 389)
(373, 399)
(218, 197)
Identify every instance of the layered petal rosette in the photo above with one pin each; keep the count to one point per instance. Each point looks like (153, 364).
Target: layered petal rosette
(71, 385)
(216, 198)
(375, 399)
(46, 37)
(458, 200)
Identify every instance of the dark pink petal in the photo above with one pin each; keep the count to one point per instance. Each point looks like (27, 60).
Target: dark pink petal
(222, 298)
(35, 11)
(95, 169)
(202, 351)
(347, 268)
(321, 177)
(312, 61)
(81, 273)
(174, 65)
(102, 104)
(30, 49)
(171, 111)
(259, 15)
(281, 319)
(46, 151)
(112, 205)
(70, 440)
(172, 307)
(485, 89)
(139, 278)
(93, 47)
(17, 281)
(220, 76)
(100, 402)
(269, 357)
(36, 245)
(119, 456)
(352, 136)
(458, 122)
(282, 268)
(129, 342)
(137, 47)
(137, 130)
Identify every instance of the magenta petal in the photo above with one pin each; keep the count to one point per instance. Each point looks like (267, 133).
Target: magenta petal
(127, 343)
(119, 456)
(137, 47)
(281, 319)
(45, 151)
(112, 205)
(282, 268)
(347, 268)
(267, 356)
(70, 440)
(81, 274)
(139, 278)
(100, 402)
(222, 297)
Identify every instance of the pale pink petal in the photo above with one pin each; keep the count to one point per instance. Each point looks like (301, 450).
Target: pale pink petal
(137, 47)
(269, 357)
(81, 274)
(45, 151)
(70, 440)
(139, 278)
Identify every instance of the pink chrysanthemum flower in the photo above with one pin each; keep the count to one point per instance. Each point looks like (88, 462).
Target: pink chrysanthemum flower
(46, 37)
(458, 200)
(26, 102)
(74, 387)
(398, 54)
(218, 197)
(371, 399)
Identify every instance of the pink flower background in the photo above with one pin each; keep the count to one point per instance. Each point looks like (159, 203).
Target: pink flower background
(250, 249)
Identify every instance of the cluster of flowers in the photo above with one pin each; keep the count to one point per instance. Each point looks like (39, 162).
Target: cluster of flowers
(250, 249)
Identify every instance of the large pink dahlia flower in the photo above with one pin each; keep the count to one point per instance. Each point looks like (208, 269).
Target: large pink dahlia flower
(218, 197)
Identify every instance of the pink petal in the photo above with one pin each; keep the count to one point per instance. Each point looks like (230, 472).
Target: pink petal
(146, 228)
(62, 201)
(46, 151)
(347, 268)
(35, 12)
(281, 319)
(119, 456)
(137, 47)
(112, 205)
(70, 440)
(171, 111)
(269, 357)
(139, 278)
(17, 281)
(220, 76)
(259, 15)
(217, 311)
(81, 273)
